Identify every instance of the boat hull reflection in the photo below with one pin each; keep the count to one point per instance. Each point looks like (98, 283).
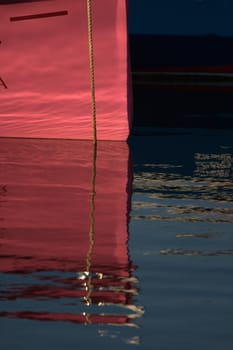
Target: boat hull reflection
(64, 226)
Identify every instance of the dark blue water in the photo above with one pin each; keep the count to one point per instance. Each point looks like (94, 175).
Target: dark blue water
(181, 238)
(166, 284)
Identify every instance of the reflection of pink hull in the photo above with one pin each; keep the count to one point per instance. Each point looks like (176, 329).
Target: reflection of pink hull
(64, 222)
(44, 70)
(74, 318)
(47, 214)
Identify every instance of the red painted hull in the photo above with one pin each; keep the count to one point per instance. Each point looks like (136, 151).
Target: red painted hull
(45, 74)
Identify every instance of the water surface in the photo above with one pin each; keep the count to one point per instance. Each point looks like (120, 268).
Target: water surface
(120, 246)
(181, 237)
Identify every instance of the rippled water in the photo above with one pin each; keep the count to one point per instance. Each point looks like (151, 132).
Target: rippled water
(119, 246)
(181, 237)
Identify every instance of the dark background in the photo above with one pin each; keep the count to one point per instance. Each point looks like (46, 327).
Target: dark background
(178, 17)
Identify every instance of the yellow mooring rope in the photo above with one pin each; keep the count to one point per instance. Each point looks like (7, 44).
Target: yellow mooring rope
(92, 68)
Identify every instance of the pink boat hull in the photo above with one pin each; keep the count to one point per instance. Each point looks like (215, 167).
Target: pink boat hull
(45, 71)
